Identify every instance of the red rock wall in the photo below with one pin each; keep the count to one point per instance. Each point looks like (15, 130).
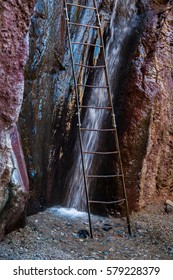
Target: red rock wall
(14, 20)
(147, 145)
(157, 170)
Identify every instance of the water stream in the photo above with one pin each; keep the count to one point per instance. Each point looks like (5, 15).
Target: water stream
(121, 25)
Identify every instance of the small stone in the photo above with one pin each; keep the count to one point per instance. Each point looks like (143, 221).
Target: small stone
(105, 252)
(120, 232)
(82, 233)
(106, 227)
(68, 224)
(111, 250)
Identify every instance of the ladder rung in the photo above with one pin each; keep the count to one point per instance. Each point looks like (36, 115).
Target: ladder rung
(101, 153)
(99, 130)
(84, 25)
(103, 176)
(86, 44)
(81, 6)
(90, 86)
(97, 108)
(106, 202)
(90, 66)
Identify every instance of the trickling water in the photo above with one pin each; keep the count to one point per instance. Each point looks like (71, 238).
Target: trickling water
(121, 25)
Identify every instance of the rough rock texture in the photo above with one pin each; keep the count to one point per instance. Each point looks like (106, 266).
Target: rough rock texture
(14, 19)
(44, 100)
(157, 170)
(147, 137)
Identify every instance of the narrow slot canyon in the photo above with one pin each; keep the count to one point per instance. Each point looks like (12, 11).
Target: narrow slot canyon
(42, 194)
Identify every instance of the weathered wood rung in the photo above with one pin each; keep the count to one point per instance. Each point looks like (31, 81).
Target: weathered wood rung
(81, 6)
(90, 86)
(83, 25)
(96, 108)
(86, 44)
(90, 66)
(97, 130)
(107, 202)
(104, 176)
(101, 153)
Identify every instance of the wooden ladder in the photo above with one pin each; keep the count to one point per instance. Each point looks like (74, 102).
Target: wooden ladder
(106, 87)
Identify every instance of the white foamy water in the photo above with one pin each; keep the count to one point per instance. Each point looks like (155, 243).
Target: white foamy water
(71, 213)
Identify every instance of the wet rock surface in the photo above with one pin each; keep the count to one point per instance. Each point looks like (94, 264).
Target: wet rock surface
(48, 237)
(49, 108)
(142, 105)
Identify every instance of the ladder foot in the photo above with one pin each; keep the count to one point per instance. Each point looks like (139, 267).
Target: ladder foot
(129, 230)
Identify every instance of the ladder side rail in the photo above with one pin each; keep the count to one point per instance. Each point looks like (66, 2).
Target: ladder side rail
(113, 119)
(79, 122)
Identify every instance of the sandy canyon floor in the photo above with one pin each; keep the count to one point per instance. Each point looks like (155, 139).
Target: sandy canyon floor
(59, 234)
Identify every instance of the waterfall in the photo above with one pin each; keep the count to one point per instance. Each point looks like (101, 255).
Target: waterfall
(121, 24)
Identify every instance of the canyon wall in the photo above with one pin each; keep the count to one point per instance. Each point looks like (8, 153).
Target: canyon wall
(147, 105)
(48, 122)
(14, 18)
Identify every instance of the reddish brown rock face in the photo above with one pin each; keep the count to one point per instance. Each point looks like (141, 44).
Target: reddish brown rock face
(157, 170)
(147, 138)
(14, 19)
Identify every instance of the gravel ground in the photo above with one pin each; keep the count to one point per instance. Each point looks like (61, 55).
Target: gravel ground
(55, 235)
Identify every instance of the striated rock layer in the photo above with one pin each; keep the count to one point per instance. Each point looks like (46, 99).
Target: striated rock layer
(14, 19)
